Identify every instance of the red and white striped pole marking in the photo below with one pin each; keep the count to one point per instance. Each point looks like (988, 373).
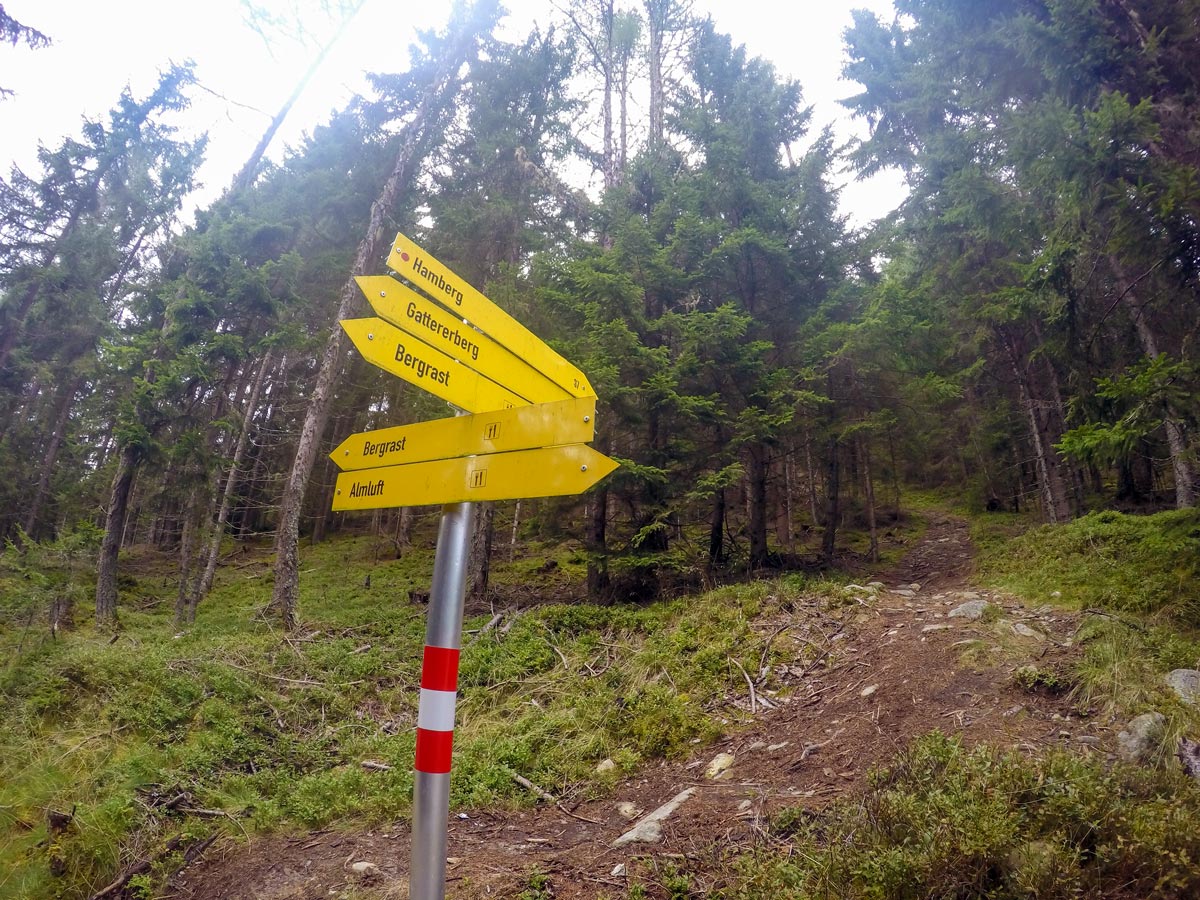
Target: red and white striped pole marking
(435, 712)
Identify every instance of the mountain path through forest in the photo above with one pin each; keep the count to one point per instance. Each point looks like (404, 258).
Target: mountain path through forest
(861, 681)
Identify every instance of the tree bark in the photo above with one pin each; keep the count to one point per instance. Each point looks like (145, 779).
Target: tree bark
(716, 531)
(110, 547)
(656, 22)
(869, 485)
(481, 551)
(187, 543)
(597, 545)
(1177, 445)
(610, 154)
(50, 457)
(810, 475)
(439, 94)
(832, 502)
(756, 504)
(205, 582)
(1053, 489)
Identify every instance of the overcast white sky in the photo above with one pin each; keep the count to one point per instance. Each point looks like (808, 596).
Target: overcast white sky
(99, 47)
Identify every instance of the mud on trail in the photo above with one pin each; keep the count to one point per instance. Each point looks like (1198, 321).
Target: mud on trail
(859, 683)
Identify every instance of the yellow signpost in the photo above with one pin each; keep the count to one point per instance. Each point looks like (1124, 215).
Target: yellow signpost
(520, 428)
(388, 347)
(425, 320)
(533, 413)
(433, 277)
(542, 472)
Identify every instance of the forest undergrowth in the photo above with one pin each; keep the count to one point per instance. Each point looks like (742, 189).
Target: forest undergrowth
(148, 742)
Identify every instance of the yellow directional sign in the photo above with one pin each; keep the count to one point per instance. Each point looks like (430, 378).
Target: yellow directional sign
(424, 319)
(432, 370)
(523, 427)
(431, 276)
(545, 472)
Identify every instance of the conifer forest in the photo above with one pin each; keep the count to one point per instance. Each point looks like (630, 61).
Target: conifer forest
(791, 395)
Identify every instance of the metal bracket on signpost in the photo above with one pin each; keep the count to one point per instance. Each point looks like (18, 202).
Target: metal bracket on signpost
(435, 716)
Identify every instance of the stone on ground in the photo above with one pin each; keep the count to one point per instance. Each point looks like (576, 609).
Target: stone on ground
(649, 830)
(1140, 737)
(366, 870)
(1020, 629)
(1186, 685)
(719, 766)
(972, 610)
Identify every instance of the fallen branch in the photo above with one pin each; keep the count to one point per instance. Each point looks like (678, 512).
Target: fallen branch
(566, 665)
(810, 749)
(762, 660)
(492, 623)
(530, 786)
(374, 766)
(563, 809)
(749, 684)
(305, 682)
(1092, 611)
(136, 869)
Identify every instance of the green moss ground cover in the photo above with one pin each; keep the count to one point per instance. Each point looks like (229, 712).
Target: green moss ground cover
(273, 730)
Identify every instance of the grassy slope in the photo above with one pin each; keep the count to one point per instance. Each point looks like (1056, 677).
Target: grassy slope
(274, 731)
(1143, 564)
(1138, 578)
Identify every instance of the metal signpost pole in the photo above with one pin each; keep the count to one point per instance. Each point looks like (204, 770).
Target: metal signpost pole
(435, 716)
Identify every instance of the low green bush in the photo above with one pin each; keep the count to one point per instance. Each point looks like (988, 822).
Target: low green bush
(944, 821)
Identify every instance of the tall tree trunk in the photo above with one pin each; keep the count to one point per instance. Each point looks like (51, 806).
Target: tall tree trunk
(716, 531)
(756, 503)
(245, 177)
(832, 502)
(50, 457)
(110, 547)
(205, 583)
(187, 543)
(597, 546)
(1053, 489)
(610, 153)
(417, 134)
(623, 158)
(481, 551)
(656, 21)
(1181, 467)
(783, 504)
(403, 538)
(512, 541)
(895, 473)
(869, 485)
(810, 475)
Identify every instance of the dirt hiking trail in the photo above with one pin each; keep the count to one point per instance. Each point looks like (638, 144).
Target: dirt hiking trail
(866, 679)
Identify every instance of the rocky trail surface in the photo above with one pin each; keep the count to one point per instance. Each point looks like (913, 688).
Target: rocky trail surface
(919, 651)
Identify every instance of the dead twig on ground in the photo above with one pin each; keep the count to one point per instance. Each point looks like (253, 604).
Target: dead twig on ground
(762, 660)
(749, 684)
(573, 815)
(530, 786)
(492, 623)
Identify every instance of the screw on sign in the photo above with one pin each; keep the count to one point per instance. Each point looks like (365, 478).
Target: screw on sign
(533, 413)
